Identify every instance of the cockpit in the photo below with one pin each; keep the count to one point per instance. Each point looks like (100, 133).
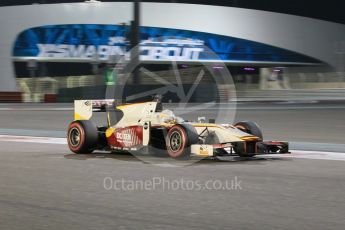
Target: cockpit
(167, 116)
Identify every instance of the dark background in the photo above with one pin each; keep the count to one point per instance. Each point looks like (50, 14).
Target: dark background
(331, 10)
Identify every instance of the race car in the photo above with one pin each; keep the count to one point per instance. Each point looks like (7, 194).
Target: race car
(146, 125)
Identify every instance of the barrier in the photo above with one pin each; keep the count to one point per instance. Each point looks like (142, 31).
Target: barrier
(50, 98)
(203, 93)
(10, 97)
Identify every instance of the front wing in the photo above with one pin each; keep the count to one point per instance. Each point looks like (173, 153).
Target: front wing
(264, 147)
(272, 147)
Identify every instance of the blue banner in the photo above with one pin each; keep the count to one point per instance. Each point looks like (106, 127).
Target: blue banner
(103, 41)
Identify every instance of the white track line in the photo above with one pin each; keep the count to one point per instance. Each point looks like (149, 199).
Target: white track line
(315, 155)
(36, 109)
(42, 140)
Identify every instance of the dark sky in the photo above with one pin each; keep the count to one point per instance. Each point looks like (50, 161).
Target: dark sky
(331, 10)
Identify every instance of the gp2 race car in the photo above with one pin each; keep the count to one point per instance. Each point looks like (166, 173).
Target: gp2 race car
(136, 126)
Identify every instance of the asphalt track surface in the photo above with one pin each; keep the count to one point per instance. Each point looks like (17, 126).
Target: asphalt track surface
(312, 122)
(44, 186)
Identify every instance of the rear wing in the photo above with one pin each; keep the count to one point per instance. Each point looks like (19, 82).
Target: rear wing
(83, 109)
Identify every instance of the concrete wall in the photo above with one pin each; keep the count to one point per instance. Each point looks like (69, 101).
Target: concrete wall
(315, 38)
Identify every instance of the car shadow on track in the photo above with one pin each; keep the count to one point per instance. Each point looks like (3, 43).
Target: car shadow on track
(149, 159)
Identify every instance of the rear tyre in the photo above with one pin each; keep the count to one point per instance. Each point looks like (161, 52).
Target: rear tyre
(179, 139)
(82, 136)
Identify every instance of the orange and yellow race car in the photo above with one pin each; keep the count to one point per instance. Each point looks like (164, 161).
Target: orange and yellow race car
(146, 125)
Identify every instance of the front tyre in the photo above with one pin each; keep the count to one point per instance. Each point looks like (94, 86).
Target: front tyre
(250, 127)
(248, 149)
(82, 136)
